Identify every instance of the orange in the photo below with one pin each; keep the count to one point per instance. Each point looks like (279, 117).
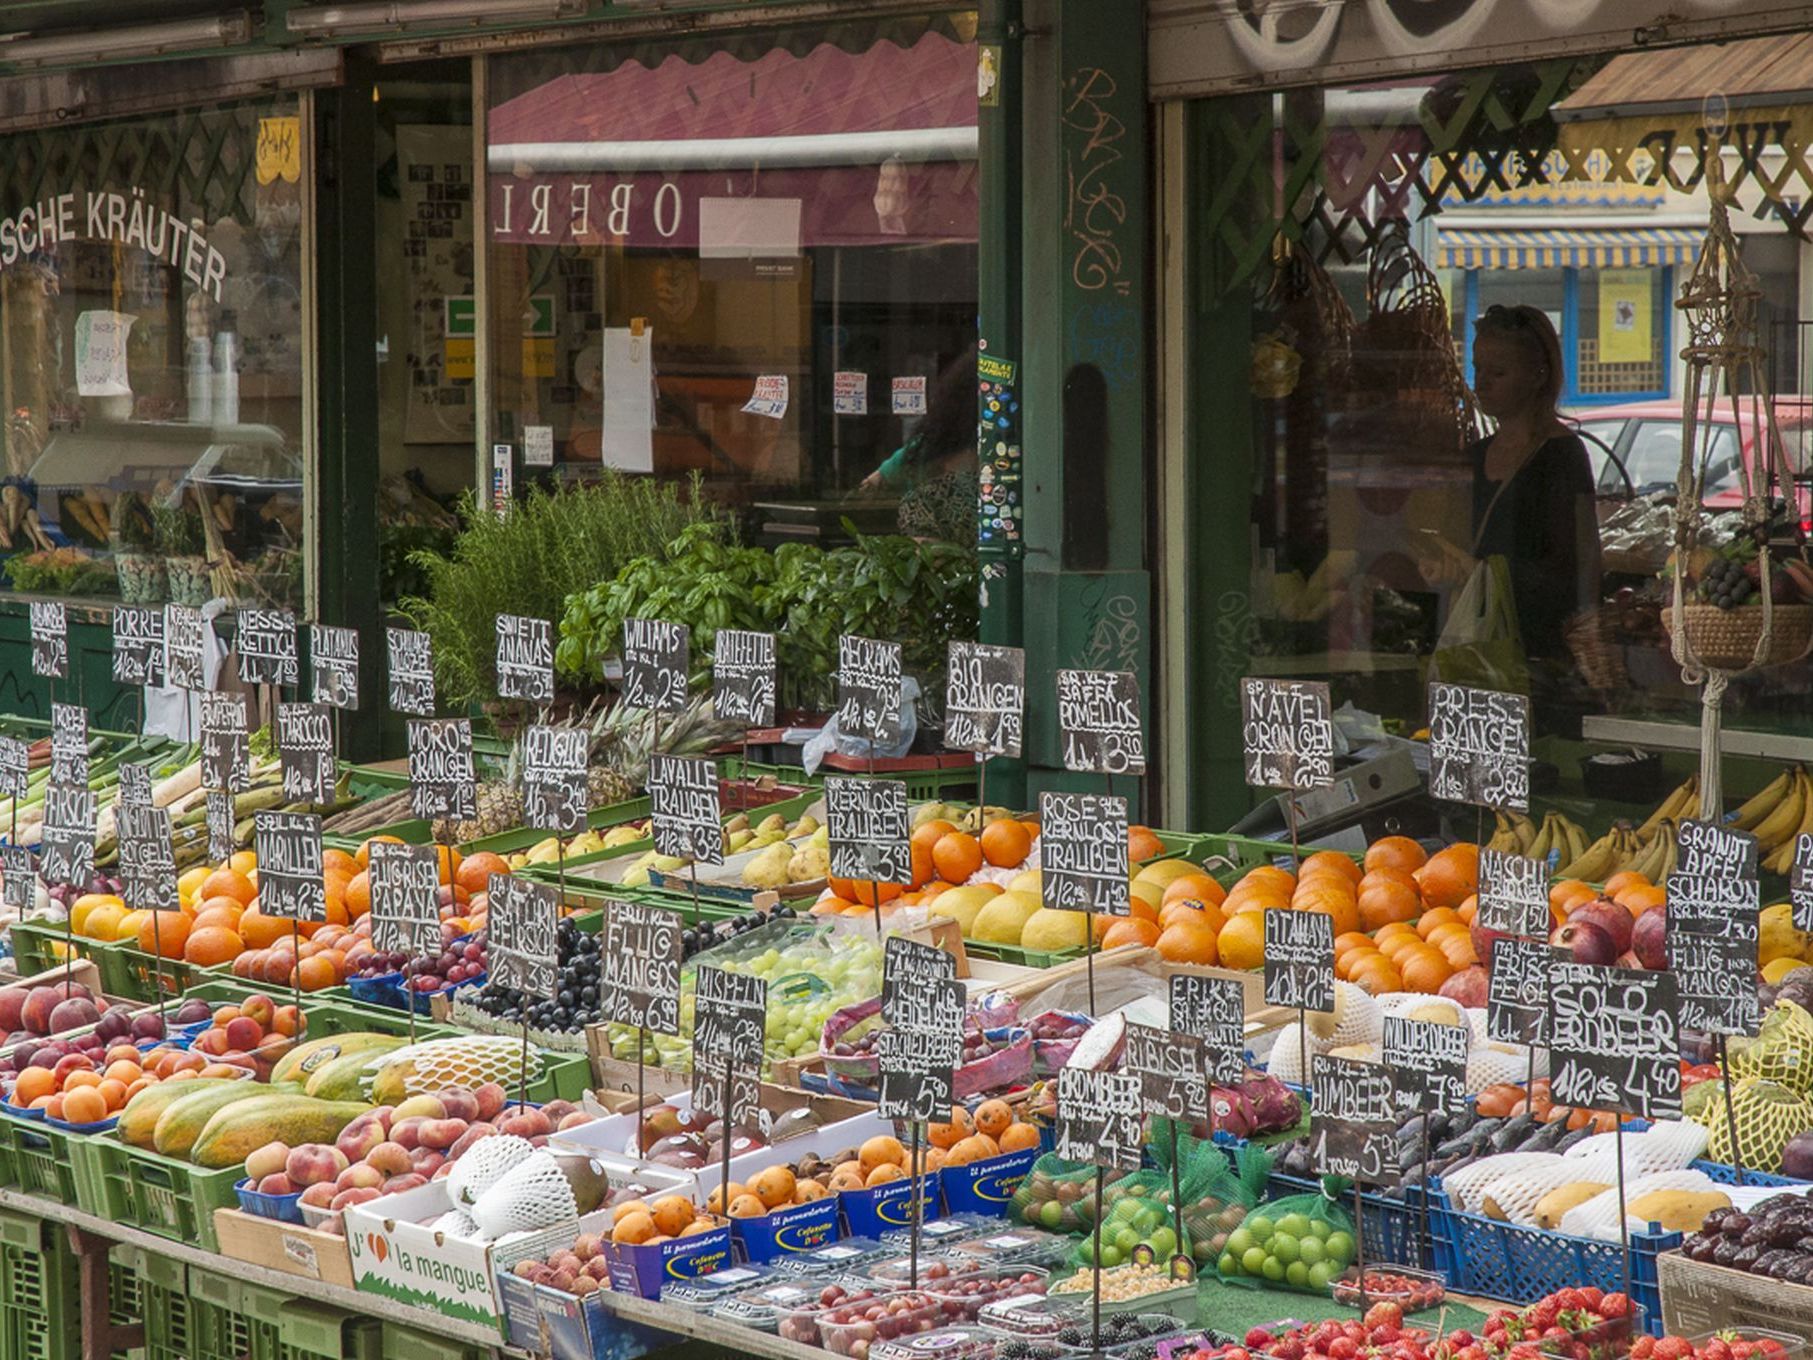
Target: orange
(1189, 911)
(1569, 890)
(1138, 906)
(1378, 976)
(450, 860)
(260, 931)
(363, 858)
(1196, 942)
(164, 933)
(1273, 875)
(1458, 951)
(1639, 899)
(1198, 886)
(1351, 940)
(211, 945)
(1331, 899)
(1345, 865)
(1241, 943)
(1130, 930)
(957, 855)
(1005, 844)
(1264, 896)
(930, 833)
(1395, 852)
(1435, 916)
(216, 917)
(1469, 909)
(475, 871)
(1451, 875)
(227, 883)
(85, 1105)
(314, 974)
(1425, 970)
(1618, 882)
(1346, 965)
(1143, 844)
(357, 895)
(1395, 947)
(924, 871)
(1387, 895)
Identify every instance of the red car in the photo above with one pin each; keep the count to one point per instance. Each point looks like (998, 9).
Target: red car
(1642, 440)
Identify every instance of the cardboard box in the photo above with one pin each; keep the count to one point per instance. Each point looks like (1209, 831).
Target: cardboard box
(642, 1268)
(289, 1247)
(544, 1321)
(987, 1186)
(870, 1213)
(797, 1227)
(1699, 1298)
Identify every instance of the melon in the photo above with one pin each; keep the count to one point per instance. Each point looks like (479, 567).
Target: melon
(1767, 1114)
(1163, 871)
(1052, 930)
(962, 905)
(1782, 1051)
(1004, 919)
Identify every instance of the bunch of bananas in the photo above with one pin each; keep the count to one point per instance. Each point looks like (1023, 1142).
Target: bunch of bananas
(1778, 816)
(1648, 849)
(1554, 836)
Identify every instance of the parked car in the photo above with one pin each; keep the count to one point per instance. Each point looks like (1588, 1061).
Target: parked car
(1641, 440)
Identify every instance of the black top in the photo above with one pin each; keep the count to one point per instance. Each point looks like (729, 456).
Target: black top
(1546, 528)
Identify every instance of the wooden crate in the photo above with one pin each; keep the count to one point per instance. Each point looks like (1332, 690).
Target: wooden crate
(289, 1247)
(1699, 1298)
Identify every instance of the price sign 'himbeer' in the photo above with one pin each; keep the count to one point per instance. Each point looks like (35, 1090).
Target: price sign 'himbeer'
(185, 657)
(525, 659)
(1300, 959)
(1514, 894)
(267, 647)
(522, 950)
(1099, 722)
(49, 639)
(1213, 1010)
(868, 689)
(868, 826)
(305, 752)
(1479, 747)
(1353, 1119)
(138, 645)
(226, 756)
(554, 788)
(1083, 853)
(333, 655)
(290, 884)
(1714, 901)
(657, 664)
(405, 898)
(410, 671)
(985, 699)
(1614, 1042)
(640, 967)
(441, 780)
(743, 677)
(683, 807)
(1287, 734)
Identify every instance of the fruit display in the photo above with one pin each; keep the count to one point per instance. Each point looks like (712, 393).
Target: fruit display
(801, 1323)
(1303, 1250)
(1580, 1324)
(64, 1007)
(591, 841)
(852, 1327)
(1769, 1239)
(1380, 1333)
(574, 1004)
(584, 1268)
(1412, 1291)
(1730, 1344)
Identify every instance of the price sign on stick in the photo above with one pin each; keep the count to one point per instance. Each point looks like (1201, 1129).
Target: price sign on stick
(1514, 894)
(904, 960)
(522, 950)
(138, 645)
(135, 784)
(657, 664)
(147, 858)
(441, 779)
(405, 898)
(868, 689)
(15, 768)
(1100, 1118)
(305, 752)
(1171, 1070)
(410, 671)
(869, 829)
(1428, 1061)
(222, 826)
(1083, 853)
(554, 789)
(743, 678)
(1714, 899)
(525, 659)
(1517, 995)
(1300, 960)
(639, 982)
(1614, 1041)
(1800, 883)
(917, 1002)
(916, 1066)
(49, 639)
(18, 877)
(1479, 747)
(730, 1013)
(683, 807)
(333, 655)
(267, 648)
(985, 699)
(1353, 1119)
(708, 1076)
(185, 656)
(922, 1002)
(1214, 1011)
(1099, 722)
(290, 884)
(226, 755)
(1287, 734)
(68, 744)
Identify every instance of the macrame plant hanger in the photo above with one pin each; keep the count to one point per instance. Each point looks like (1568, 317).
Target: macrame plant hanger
(1725, 359)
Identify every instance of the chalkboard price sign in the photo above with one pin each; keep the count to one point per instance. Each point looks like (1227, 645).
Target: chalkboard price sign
(410, 672)
(1428, 1061)
(525, 659)
(985, 699)
(1171, 1069)
(405, 898)
(1479, 747)
(523, 949)
(441, 780)
(1353, 1119)
(290, 884)
(869, 830)
(138, 645)
(729, 1017)
(904, 960)
(554, 787)
(683, 807)
(1083, 853)
(1514, 894)
(1800, 883)
(222, 826)
(916, 1066)
(18, 877)
(745, 1094)
(657, 664)
(743, 677)
(1516, 1005)
(1213, 1010)
(333, 656)
(1715, 978)
(920, 1003)
(147, 858)
(1100, 1117)
(1300, 959)
(49, 639)
(640, 967)
(226, 757)
(1099, 722)
(185, 655)
(135, 784)
(305, 752)
(1287, 734)
(267, 648)
(15, 768)
(1614, 1039)
(1706, 849)
(68, 744)
(67, 854)
(868, 689)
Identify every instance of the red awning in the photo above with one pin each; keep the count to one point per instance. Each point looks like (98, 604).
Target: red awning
(875, 147)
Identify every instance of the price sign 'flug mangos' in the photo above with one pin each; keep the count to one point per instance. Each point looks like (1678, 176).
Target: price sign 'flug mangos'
(869, 830)
(1517, 995)
(1714, 902)
(333, 657)
(1353, 1119)
(1479, 747)
(49, 639)
(1287, 734)
(409, 672)
(1514, 894)
(1170, 1066)
(226, 752)
(405, 898)
(290, 882)
(1099, 722)
(185, 654)
(985, 699)
(147, 858)
(523, 946)
(1300, 960)
(1083, 853)
(18, 877)
(639, 983)
(1428, 1061)
(525, 659)
(267, 647)
(1614, 1040)
(15, 769)
(1100, 1118)
(657, 664)
(869, 689)
(138, 645)
(441, 778)
(554, 787)
(305, 752)
(743, 679)
(683, 808)
(68, 744)
(222, 826)
(1214, 1010)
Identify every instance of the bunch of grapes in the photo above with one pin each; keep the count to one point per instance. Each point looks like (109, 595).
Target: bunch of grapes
(1726, 584)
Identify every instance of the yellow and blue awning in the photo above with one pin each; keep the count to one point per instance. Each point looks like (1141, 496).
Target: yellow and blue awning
(1511, 247)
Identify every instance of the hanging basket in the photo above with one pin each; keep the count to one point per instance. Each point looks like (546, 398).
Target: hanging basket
(1726, 638)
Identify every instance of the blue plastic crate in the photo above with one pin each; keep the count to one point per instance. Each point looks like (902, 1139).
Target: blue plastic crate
(1392, 1230)
(1726, 1175)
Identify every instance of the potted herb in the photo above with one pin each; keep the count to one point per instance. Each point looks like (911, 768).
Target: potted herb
(143, 579)
(177, 533)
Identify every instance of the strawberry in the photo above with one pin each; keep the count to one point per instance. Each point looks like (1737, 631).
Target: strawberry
(1614, 1306)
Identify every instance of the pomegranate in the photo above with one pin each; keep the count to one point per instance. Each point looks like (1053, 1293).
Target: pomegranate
(1587, 943)
(1613, 919)
(1649, 938)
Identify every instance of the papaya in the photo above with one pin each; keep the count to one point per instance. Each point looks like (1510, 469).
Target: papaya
(138, 1121)
(1553, 1207)
(248, 1125)
(309, 1057)
(182, 1120)
(1678, 1210)
(344, 1078)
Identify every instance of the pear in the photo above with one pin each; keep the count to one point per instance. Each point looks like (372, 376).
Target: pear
(773, 822)
(820, 838)
(738, 841)
(666, 864)
(808, 864)
(762, 839)
(740, 822)
(805, 826)
(621, 835)
(769, 869)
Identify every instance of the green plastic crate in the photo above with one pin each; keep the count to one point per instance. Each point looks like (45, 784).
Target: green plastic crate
(39, 1159)
(164, 1292)
(140, 975)
(138, 1188)
(307, 1330)
(1026, 958)
(38, 1272)
(38, 945)
(410, 1343)
(32, 1336)
(126, 1271)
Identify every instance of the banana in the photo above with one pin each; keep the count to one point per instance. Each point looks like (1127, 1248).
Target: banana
(1671, 806)
(1780, 824)
(1526, 832)
(1747, 817)
(1545, 838)
(1576, 839)
(1594, 865)
(1672, 855)
(1654, 849)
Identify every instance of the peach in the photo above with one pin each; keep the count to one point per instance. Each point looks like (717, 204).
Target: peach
(491, 1098)
(359, 1175)
(428, 1162)
(267, 1160)
(421, 1107)
(575, 1119)
(359, 1194)
(244, 1034)
(34, 1015)
(71, 1062)
(557, 1110)
(73, 1014)
(409, 1181)
(277, 1184)
(259, 1009)
(319, 1196)
(358, 1138)
(313, 1163)
(12, 1007)
(408, 1131)
(390, 1158)
(441, 1134)
(458, 1104)
(527, 1124)
(473, 1134)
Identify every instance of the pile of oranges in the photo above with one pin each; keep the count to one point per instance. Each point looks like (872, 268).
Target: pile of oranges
(82, 1090)
(944, 857)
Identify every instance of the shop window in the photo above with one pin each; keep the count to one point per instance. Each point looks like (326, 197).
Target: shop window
(151, 317)
(753, 262)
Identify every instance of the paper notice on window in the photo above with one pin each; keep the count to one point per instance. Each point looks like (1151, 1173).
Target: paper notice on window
(909, 395)
(538, 446)
(850, 393)
(629, 400)
(101, 354)
(769, 398)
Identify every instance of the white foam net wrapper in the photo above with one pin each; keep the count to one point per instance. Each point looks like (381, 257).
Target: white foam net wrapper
(484, 1164)
(1358, 1019)
(1476, 1021)
(533, 1194)
(1598, 1217)
(1286, 1061)
(1490, 1064)
(455, 1223)
(1666, 1146)
(1517, 1193)
(1466, 1186)
(1410, 1003)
